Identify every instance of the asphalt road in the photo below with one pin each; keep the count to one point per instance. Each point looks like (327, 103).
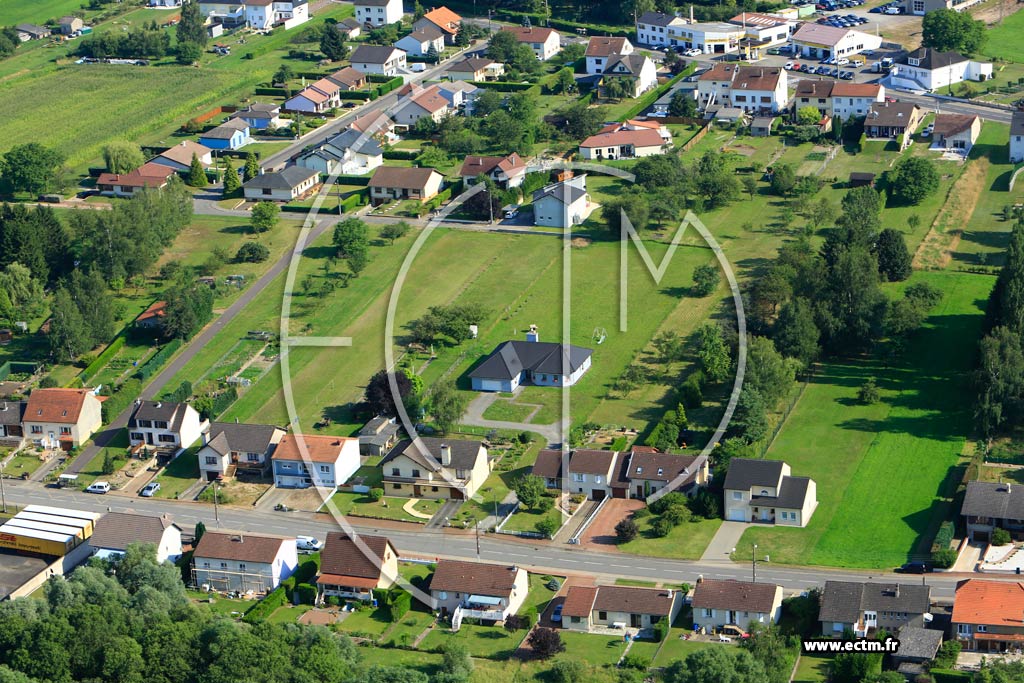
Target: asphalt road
(540, 557)
(194, 346)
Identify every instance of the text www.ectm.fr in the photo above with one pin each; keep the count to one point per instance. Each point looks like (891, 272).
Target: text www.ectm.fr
(889, 645)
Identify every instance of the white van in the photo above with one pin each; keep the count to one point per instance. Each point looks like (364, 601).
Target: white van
(98, 487)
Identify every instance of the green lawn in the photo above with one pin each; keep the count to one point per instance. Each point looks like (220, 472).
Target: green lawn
(636, 582)
(811, 669)
(36, 12)
(686, 541)
(987, 233)
(913, 436)
(676, 648)
(507, 411)
(288, 615)
(408, 628)
(360, 505)
(222, 605)
(592, 648)
(1003, 39)
(526, 520)
(179, 474)
(22, 463)
(492, 642)
(540, 595)
(94, 468)
(368, 622)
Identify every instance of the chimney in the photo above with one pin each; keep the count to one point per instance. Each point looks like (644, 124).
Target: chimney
(691, 14)
(897, 590)
(532, 335)
(446, 455)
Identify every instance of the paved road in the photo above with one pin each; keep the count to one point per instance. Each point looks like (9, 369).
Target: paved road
(536, 556)
(195, 346)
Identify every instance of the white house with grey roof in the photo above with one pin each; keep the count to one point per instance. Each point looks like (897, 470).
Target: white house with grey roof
(637, 71)
(378, 12)
(718, 603)
(532, 361)
(562, 204)
(378, 436)
(993, 505)
(115, 531)
(426, 467)
(350, 152)
(285, 185)
(232, 447)
(165, 425)
(764, 491)
(866, 607)
(652, 28)
(422, 41)
(928, 69)
(378, 59)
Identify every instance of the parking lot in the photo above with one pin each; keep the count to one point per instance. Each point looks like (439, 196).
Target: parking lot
(16, 569)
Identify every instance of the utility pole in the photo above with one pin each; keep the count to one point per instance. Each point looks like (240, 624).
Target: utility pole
(753, 563)
(3, 496)
(478, 541)
(216, 507)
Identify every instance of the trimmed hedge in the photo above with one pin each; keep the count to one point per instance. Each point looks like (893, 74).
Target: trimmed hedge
(400, 604)
(385, 88)
(104, 358)
(648, 99)
(401, 154)
(354, 200)
(121, 399)
(223, 400)
(661, 629)
(305, 594)
(271, 92)
(159, 358)
(503, 86)
(267, 606)
(361, 95)
(944, 537)
(951, 676)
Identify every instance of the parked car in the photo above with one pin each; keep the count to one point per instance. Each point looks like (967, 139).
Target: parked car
(914, 568)
(787, 66)
(693, 52)
(842, 61)
(556, 614)
(733, 631)
(149, 489)
(875, 10)
(98, 487)
(927, 132)
(308, 544)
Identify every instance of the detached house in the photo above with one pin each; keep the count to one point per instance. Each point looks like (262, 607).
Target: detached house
(164, 424)
(292, 182)
(928, 69)
(989, 506)
(866, 607)
(451, 469)
(304, 460)
(545, 42)
(896, 120)
(232, 134)
(988, 616)
(179, 157)
(461, 95)
(423, 42)
(260, 116)
(419, 103)
(1017, 137)
(637, 474)
(354, 568)
(476, 590)
(814, 93)
(562, 204)
(855, 99)
(378, 436)
(10, 423)
(956, 132)
(718, 603)
(592, 472)
(235, 561)
(625, 141)
(596, 608)
(378, 59)
(601, 49)
(652, 28)
(378, 12)
(395, 183)
(764, 491)
(442, 18)
(115, 531)
(233, 447)
(506, 172)
(320, 96)
(348, 152)
(637, 72)
(752, 89)
(349, 79)
(532, 361)
(150, 176)
(61, 418)
(475, 69)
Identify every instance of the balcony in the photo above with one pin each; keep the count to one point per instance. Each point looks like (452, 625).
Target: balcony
(483, 614)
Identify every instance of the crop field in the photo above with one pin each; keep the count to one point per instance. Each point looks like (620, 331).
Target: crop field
(886, 478)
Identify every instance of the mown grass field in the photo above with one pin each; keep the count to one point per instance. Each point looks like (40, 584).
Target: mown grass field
(36, 12)
(889, 470)
(1003, 40)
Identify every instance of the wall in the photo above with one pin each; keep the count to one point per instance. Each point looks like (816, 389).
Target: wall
(60, 567)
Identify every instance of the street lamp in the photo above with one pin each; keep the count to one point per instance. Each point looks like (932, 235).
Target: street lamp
(3, 496)
(216, 507)
(753, 561)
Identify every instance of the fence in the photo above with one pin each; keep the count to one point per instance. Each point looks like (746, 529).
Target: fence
(14, 366)
(588, 521)
(697, 137)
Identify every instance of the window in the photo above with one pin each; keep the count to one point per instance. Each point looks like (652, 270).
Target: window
(206, 565)
(145, 423)
(434, 489)
(166, 438)
(241, 566)
(159, 424)
(963, 629)
(602, 615)
(709, 613)
(737, 495)
(982, 628)
(223, 565)
(252, 457)
(576, 476)
(211, 460)
(396, 486)
(137, 436)
(267, 191)
(597, 479)
(574, 620)
(395, 472)
(416, 473)
(37, 429)
(741, 98)
(325, 469)
(65, 430)
(442, 595)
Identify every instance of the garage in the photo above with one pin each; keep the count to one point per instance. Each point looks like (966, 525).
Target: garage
(597, 494)
(737, 515)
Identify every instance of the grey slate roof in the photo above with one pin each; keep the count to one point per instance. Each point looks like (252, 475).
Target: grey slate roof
(116, 530)
(239, 436)
(745, 472)
(564, 192)
(350, 138)
(918, 643)
(633, 62)
(171, 413)
(1017, 123)
(11, 412)
(891, 114)
(931, 59)
(512, 357)
(845, 601)
(656, 19)
(792, 494)
(990, 499)
(378, 431)
(372, 54)
(464, 453)
(285, 179)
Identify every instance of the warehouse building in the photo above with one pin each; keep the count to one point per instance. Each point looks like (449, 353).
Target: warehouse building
(39, 542)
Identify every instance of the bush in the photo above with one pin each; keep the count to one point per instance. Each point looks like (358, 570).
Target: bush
(48, 382)
(121, 399)
(690, 392)
(568, 671)
(547, 526)
(515, 622)
(673, 499)
(661, 527)
(626, 530)
(267, 606)
(375, 494)
(1000, 536)
(944, 558)
(305, 594)
(252, 252)
(635, 661)
(401, 603)
(546, 642)
(869, 393)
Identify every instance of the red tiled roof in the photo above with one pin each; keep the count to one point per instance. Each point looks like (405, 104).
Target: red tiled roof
(734, 595)
(856, 89)
(526, 34)
(579, 601)
(603, 46)
(150, 174)
(315, 448)
(158, 309)
(996, 603)
(637, 138)
(342, 556)
(444, 19)
(240, 547)
(55, 405)
(473, 577)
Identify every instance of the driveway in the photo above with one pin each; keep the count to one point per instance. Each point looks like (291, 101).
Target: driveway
(725, 539)
(602, 530)
(475, 416)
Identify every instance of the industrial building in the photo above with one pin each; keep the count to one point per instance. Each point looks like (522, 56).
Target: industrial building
(39, 542)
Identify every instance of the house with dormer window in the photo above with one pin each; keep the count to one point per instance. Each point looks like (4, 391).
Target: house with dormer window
(764, 491)
(435, 468)
(163, 424)
(61, 418)
(866, 607)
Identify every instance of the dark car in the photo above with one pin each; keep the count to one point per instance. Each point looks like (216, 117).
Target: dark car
(914, 568)
(875, 10)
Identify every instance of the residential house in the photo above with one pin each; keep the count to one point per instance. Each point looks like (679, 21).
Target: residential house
(151, 176)
(352, 568)
(923, 7)
(928, 69)
(597, 608)
(863, 608)
(166, 4)
(69, 25)
(896, 120)
(714, 86)
(260, 115)
(312, 101)
(427, 41)
(652, 28)
(231, 134)
(562, 204)
(259, 15)
(461, 95)
(179, 157)
(476, 590)
(637, 73)
(243, 562)
(638, 473)
(153, 317)
(855, 99)
(442, 18)
(814, 93)
(1017, 137)
(11, 428)
(764, 491)
(989, 506)
(548, 466)
(378, 12)
(918, 647)
(349, 152)
(304, 460)
(396, 183)
(28, 32)
(378, 436)
(378, 124)
(956, 132)
(718, 603)
(475, 69)
(115, 531)
(988, 616)
(716, 37)
(513, 363)
(289, 13)
(507, 172)
(420, 103)
(649, 472)
(292, 182)
(349, 79)
(819, 41)
(61, 418)
(165, 424)
(591, 472)
(752, 89)
(600, 49)
(545, 42)
(623, 141)
(765, 29)
(451, 469)
(378, 59)
(230, 448)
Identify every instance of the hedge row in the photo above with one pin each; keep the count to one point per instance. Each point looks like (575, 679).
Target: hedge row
(354, 200)
(159, 358)
(401, 154)
(503, 86)
(647, 100)
(104, 358)
(944, 537)
(223, 400)
(400, 604)
(271, 92)
(385, 88)
(121, 399)
(360, 95)
(267, 606)
(951, 676)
